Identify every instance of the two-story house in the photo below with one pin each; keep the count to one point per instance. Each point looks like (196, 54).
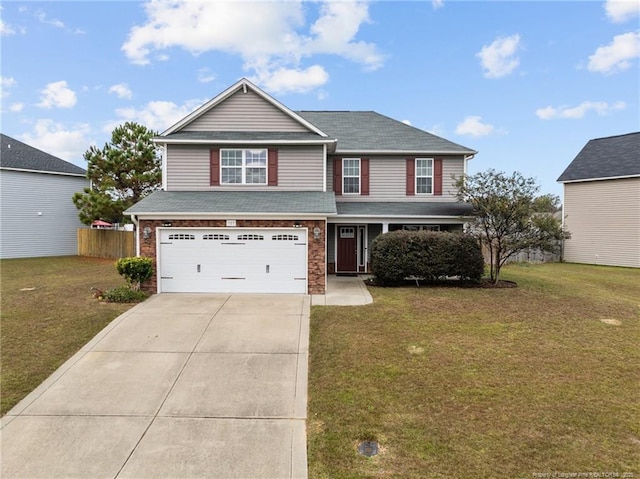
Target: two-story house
(259, 198)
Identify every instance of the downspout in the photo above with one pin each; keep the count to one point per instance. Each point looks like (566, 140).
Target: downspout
(164, 166)
(563, 226)
(324, 168)
(135, 221)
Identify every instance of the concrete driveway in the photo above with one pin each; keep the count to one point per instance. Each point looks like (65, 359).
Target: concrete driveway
(180, 386)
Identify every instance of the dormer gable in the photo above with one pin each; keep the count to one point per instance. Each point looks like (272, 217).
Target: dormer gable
(244, 107)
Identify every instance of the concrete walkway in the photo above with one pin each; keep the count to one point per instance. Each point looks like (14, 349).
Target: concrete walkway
(343, 291)
(180, 386)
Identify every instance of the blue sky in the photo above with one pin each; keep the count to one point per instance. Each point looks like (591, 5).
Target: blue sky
(525, 83)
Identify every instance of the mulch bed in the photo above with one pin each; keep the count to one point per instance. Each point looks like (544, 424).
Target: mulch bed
(449, 283)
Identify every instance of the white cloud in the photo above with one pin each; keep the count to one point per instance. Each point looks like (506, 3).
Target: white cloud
(54, 22)
(204, 76)
(280, 37)
(66, 142)
(500, 58)
(6, 29)
(121, 90)
(577, 112)
(155, 115)
(473, 126)
(616, 56)
(57, 94)
(407, 122)
(335, 31)
(5, 84)
(16, 107)
(619, 11)
(290, 79)
(436, 4)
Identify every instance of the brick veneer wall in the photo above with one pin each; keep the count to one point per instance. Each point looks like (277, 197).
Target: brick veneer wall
(315, 250)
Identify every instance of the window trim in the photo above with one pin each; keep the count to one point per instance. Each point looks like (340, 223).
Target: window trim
(244, 167)
(416, 176)
(343, 176)
(420, 227)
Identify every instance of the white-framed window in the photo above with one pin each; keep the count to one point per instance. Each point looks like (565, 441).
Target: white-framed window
(421, 227)
(243, 167)
(351, 176)
(424, 176)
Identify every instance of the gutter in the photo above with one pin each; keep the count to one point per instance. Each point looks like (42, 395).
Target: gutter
(214, 141)
(405, 152)
(24, 170)
(583, 180)
(231, 215)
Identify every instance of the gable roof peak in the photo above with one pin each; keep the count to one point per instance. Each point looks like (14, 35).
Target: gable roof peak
(245, 85)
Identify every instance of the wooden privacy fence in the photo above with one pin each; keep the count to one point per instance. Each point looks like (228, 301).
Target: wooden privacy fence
(529, 256)
(103, 243)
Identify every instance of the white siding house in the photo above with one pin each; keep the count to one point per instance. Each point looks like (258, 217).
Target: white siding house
(602, 202)
(37, 215)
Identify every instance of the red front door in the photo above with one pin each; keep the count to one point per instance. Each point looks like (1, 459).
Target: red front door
(347, 260)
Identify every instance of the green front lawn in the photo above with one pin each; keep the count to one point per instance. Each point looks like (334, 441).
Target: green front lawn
(465, 383)
(48, 313)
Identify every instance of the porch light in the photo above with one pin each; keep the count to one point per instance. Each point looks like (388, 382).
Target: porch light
(146, 233)
(316, 233)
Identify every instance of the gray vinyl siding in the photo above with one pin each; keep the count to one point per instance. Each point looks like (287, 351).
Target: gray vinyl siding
(387, 180)
(603, 218)
(26, 233)
(299, 168)
(373, 231)
(244, 112)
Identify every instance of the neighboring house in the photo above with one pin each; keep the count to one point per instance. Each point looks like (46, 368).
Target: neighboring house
(602, 202)
(37, 215)
(259, 198)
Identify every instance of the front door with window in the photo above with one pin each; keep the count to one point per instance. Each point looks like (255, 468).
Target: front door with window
(347, 254)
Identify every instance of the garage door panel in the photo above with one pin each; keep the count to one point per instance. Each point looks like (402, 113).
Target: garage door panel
(263, 260)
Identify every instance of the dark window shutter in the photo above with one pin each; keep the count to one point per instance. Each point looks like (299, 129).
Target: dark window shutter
(364, 176)
(337, 176)
(411, 176)
(214, 167)
(437, 176)
(272, 172)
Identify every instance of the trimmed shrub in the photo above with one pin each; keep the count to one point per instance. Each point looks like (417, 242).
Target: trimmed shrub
(136, 270)
(124, 294)
(425, 255)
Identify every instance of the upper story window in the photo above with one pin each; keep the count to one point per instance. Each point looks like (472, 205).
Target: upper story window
(243, 167)
(351, 176)
(424, 176)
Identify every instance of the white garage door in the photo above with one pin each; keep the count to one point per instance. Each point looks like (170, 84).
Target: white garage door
(233, 260)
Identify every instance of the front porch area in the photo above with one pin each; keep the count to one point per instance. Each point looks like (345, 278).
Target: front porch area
(349, 244)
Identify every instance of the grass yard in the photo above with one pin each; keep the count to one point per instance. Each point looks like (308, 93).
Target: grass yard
(43, 327)
(481, 383)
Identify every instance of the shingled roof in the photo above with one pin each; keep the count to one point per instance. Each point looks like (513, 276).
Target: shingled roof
(20, 156)
(371, 132)
(244, 202)
(610, 157)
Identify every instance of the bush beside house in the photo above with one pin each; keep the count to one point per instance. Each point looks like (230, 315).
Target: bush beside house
(425, 255)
